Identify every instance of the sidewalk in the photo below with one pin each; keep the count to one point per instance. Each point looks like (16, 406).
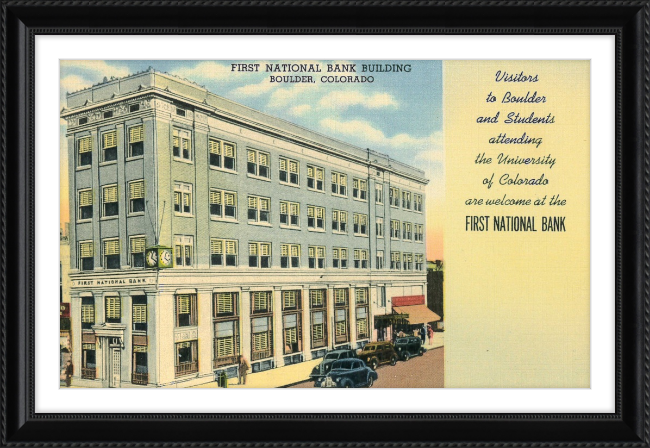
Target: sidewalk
(438, 341)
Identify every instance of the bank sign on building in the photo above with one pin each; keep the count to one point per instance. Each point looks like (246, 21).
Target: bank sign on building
(271, 241)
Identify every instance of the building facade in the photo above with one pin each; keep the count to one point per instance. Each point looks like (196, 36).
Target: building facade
(286, 243)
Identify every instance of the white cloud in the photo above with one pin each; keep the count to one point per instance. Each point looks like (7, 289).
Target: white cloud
(258, 89)
(284, 96)
(207, 71)
(97, 68)
(72, 83)
(341, 99)
(299, 110)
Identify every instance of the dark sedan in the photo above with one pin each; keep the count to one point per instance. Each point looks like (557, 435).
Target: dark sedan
(321, 369)
(408, 346)
(348, 373)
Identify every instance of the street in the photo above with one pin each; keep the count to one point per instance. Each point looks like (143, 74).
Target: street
(419, 371)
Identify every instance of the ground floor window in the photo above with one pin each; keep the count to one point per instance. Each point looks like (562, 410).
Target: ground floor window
(292, 333)
(187, 358)
(140, 374)
(341, 325)
(226, 342)
(362, 322)
(262, 338)
(88, 363)
(318, 329)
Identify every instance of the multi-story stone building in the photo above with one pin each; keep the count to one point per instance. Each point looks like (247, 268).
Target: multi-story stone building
(286, 243)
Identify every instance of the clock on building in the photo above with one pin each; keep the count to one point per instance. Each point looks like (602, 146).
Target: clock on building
(159, 257)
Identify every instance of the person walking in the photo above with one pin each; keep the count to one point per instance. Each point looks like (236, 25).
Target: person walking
(423, 332)
(243, 369)
(68, 370)
(430, 334)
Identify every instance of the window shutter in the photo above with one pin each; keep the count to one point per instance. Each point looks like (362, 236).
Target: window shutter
(321, 252)
(344, 216)
(265, 249)
(85, 198)
(111, 247)
(224, 303)
(335, 253)
(317, 332)
(362, 326)
(357, 253)
(265, 204)
(340, 328)
(283, 208)
(87, 314)
(344, 254)
(136, 134)
(356, 218)
(264, 159)
(176, 139)
(355, 183)
(290, 336)
(252, 202)
(252, 248)
(284, 250)
(289, 298)
(316, 296)
(137, 245)
(295, 251)
(85, 144)
(140, 349)
(110, 194)
(186, 143)
(310, 171)
(139, 314)
(215, 197)
(231, 247)
(334, 178)
(186, 200)
(113, 308)
(260, 341)
(320, 174)
(344, 180)
(251, 156)
(136, 190)
(363, 219)
(86, 249)
(335, 215)
(225, 347)
(310, 211)
(214, 146)
(283, 164)
(216, 247)
(229, 198)
(110, 139)
(320, 212)
(293, 166)
(183, 304)
(229, 150)
(294, 209)
(312, 251)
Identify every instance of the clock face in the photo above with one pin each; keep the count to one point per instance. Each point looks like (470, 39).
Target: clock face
(152, 258)
(166, 257)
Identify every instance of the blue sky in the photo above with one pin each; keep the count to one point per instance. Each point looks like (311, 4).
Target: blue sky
(399, 113)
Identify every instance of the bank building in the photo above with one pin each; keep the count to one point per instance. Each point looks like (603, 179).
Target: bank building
(202, 230)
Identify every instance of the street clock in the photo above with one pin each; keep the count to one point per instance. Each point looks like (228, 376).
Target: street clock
(158, 257)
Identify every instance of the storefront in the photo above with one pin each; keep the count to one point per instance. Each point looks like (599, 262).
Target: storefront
(418, 315)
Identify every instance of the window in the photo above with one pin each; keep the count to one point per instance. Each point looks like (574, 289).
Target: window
(180, 112)
(360, 224)
(134, 107)
(182, 144)
(219, 248)
(187, 358)
(86, 256)
(289, 214)
(110, 205)
(292, 333)
(419, 262)
(394, 229)
(341, 325)
(87, 313)
(261, 302)
(182, 199)
(406, 200)
(339, 258)
(136, 141)
(360, 189)
(222, 154)
(109, 146)
(339, 184)
(361, 258)
(259, 209)
(341, 297)
(88, 361)
(318, 329)
(226, 328)
(137, 251)
(361, 296)
(408, 230)
(317, 298)
(395, 260)
(83, 120)
(419, 232)
(315, 218)
(289, 255)
(379, 227)
(85, 204)
(380, 259)
(339, 221)
(259, 255)
(289, 170)
(223, 204)
(315, 177)
(108, 114)
(394, 196)
(111, 253)
(113, 310)
(140, 372)
(382, 296)
(417, 202)
(258, 163)
(186, 315)
(291, 300)
(136, 196)
(183, 248)
(408, 261)
(85, 151)
(316, 257)
(261, 338)
(139, 311)
(362, 322)
(379, 193)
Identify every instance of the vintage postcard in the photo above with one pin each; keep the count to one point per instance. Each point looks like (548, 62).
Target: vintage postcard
(325, 223)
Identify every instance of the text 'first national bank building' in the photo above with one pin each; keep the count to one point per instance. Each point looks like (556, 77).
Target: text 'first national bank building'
(266, 239)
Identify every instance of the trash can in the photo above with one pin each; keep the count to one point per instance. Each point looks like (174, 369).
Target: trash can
(222, 379)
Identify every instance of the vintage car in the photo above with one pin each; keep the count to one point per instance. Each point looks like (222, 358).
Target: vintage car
(348, 373)
(376, 353)
(321, 369)
(408, 346)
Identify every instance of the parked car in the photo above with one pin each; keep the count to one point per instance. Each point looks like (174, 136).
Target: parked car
(376, 353)
(409, 346)
(321, 369)
(348, 373)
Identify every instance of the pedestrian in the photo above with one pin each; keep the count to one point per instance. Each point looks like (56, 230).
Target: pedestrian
(68, 370)
(430, 332)
(423, 332)
(243, 369)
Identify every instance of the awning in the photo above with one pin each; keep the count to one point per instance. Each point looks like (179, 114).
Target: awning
(418, 314)
(390, 319)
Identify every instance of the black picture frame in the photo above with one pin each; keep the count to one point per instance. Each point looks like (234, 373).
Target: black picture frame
(629, 21)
